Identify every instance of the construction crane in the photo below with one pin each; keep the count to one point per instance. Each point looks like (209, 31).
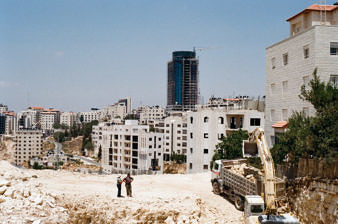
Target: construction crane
(204, 48)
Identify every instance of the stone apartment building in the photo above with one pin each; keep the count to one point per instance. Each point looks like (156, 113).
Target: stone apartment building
(313, 43)
(48, 118)
(28, 144)
(207, 126)
(94, 114)
(148, 114)
(131, 148)
(175, 134)
(68, 118)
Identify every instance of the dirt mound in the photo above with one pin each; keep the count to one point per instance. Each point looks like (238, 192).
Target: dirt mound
(73, 146)
(174, 168)
(7, 150)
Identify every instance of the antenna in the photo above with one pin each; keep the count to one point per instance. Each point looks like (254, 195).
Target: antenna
(322, 7)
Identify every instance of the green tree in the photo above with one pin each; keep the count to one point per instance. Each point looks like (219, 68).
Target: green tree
(311, 137)
(231, 146)
(59, 136)
(130, 117)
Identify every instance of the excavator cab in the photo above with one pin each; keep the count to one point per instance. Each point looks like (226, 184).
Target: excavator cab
(254, 205)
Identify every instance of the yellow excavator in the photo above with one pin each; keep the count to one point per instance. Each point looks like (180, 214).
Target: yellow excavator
(255, 195)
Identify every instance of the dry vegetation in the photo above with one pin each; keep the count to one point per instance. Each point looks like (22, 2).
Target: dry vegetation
(73, 146)
(174, 168)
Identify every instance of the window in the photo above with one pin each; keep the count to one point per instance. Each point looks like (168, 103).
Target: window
(272, 115)
(221, 120)
(205, 151)
(285, 87)
(190, 165)
(285, 59)
(206, 119)
(334, 48)
(205, 167)
(306, 51)
(220, 136)
(255, 121)
(191, 150)
(334, 80)
(205, 135)
(273, 63)
(273, 88)
(284, 114)
(191, 120)
(191, 135)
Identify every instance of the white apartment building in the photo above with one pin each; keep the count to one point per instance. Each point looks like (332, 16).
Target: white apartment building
(92, 115)
(68, 118)
(116, 111)
(148, 114)
(131, 148)
(151, 152)
(48, 119)
(313, 43)
(28, 144)
(3, 108)
(11, 122)
(175, 135)
(207, 126)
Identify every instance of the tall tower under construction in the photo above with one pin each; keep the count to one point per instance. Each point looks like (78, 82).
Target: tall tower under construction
(182, 81)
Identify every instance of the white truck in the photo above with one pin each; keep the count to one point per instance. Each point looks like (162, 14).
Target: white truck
(252, 190)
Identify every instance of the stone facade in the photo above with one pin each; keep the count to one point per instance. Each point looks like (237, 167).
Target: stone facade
(290, 64)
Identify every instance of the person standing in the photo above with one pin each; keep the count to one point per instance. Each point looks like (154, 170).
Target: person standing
(127, 180)
(119, 185)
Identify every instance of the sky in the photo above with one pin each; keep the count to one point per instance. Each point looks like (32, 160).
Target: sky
(73, 55)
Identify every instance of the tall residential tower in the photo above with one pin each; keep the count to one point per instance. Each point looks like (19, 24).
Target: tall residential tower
(182, 81)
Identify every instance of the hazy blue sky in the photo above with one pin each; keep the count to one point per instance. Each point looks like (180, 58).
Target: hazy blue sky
(74, 55)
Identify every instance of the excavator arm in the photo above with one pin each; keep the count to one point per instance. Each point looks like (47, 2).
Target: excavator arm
(269, 170)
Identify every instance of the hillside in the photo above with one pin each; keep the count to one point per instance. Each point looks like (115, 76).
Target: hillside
(49, 196)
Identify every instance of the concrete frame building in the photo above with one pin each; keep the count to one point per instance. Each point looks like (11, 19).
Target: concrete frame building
(182, 92)
(2, 124)
(207, 126)
(28, 144)
(313, 43)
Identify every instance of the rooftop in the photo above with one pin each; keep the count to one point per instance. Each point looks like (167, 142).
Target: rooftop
(315, 7)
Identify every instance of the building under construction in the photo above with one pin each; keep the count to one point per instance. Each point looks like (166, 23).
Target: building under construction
(182, 81)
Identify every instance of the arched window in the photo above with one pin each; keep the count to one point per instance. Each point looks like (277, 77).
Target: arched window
(206, 119)
(221, 120)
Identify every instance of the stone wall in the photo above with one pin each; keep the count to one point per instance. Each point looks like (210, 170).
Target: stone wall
(311, 190)
(313, 201)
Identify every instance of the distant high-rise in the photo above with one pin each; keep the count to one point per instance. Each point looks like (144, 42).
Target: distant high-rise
(182, 81)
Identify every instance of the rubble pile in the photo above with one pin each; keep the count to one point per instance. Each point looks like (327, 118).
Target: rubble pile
(248, 172)
(155, 209)
(24, 202)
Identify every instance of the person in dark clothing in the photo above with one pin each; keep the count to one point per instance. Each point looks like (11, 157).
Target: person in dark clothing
(127, 180)
(119, 185)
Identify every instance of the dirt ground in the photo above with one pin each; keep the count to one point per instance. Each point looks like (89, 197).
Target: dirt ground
(168, 198)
